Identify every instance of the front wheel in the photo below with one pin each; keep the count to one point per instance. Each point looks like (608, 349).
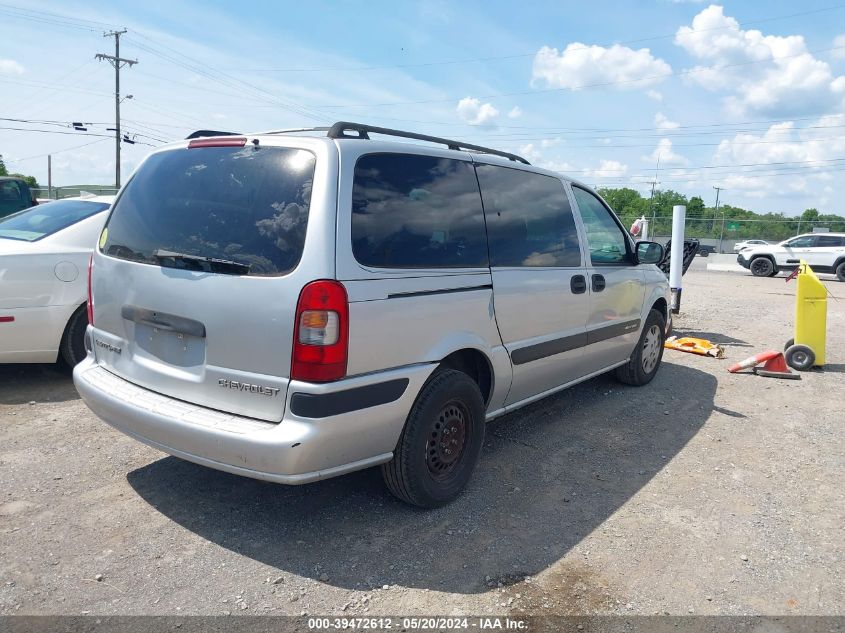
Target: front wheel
(762, 267)
(840, 272)
(441, 441)
(647, 356)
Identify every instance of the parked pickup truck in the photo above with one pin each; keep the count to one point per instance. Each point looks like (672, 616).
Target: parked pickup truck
(15, 195)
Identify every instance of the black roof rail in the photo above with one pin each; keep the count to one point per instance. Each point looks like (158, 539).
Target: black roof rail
(202, 133)
(340, 129)
(293, 130)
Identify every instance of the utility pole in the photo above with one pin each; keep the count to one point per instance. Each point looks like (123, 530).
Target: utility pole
(49, 176)
(117, 62)
(722, 233)
(651, 199)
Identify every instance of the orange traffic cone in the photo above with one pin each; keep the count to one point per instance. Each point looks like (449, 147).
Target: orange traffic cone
(776, 368)
(751, 361)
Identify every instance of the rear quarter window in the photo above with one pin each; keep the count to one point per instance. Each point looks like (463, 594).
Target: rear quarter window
(247, 205)
(412, 211)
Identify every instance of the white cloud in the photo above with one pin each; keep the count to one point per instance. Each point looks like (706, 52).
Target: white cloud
(665, 154)
(783, 143)
(474, 112)
(768, 74)
(580, 65)
(655, 95)
(662, 122)
(839, 45)
(10, 67)
(607, 169)
(515, 112)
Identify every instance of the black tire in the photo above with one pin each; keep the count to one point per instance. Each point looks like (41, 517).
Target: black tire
(840, 271)
(800, 357)
(423, 471)
(648, 354)
(762, 267)
(789, 344)
(704, 253)
(73, 340)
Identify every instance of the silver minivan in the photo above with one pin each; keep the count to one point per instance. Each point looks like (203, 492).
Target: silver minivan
(300, 304)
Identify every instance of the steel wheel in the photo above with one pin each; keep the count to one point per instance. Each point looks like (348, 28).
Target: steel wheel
(651, 349)
(446, 440)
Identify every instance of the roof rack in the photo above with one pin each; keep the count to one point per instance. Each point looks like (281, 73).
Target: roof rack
(297, 129)
(340, 129)
(362, 131)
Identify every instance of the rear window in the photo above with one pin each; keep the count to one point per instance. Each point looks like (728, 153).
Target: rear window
(205, 208)
(411, 211)
(35, 223)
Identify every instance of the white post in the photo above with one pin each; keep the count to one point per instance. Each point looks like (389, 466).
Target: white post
(676, 260)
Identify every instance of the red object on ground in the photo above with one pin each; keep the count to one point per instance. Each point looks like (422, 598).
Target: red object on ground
(776, 368)
(751, 361)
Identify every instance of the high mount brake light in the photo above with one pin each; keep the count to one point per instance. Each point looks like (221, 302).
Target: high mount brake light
(321, 333)
(222, 141)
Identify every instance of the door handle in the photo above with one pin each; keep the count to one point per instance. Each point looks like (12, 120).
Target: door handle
(598, 283)
(578, 284)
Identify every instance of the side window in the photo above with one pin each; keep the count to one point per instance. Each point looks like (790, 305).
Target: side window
(829, 240)
(10, 191)
(411, 211)
(802, 242)
(529, 219)
(608, 244)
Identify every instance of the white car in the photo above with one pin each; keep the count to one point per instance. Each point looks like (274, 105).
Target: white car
(824, 252)
(741, 246)
(44, 254)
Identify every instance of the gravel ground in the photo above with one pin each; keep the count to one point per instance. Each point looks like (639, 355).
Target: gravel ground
(705, 492)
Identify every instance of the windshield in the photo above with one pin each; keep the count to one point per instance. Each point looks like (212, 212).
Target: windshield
(45, 219)
(235, 210)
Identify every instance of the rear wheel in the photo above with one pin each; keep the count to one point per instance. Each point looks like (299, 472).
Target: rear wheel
(762, 267)
(647, 356)
(840, 271)
(73, 340)
(441, 441)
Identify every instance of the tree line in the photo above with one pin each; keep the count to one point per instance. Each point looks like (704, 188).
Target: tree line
(704, 221)
(30, 180)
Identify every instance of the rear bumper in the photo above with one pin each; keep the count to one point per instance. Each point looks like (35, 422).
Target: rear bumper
(361, 420)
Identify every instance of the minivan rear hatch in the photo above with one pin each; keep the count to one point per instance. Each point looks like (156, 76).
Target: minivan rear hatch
(194, 284)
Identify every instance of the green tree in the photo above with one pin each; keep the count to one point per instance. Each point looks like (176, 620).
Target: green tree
(30, 180)
(810, 215)
(628, 203)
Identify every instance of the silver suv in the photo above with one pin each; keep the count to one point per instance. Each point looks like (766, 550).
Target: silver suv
(292, 306)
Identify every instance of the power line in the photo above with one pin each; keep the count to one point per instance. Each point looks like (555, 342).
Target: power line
(58, 151)
(522, 55)
(602, 84)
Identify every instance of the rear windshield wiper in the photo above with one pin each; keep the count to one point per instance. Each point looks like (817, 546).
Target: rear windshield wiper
(214, 264)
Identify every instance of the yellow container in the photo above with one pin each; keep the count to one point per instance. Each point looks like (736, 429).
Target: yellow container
(811, 312)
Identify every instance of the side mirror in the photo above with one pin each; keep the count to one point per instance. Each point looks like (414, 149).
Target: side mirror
(649, 252)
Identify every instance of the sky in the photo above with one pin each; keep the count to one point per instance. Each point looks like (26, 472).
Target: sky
(746, 96)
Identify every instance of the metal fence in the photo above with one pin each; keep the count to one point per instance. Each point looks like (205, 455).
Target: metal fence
(72, 191)
(724, 235)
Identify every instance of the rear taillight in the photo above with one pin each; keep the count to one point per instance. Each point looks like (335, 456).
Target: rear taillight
(321, 335)
(90, 302)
